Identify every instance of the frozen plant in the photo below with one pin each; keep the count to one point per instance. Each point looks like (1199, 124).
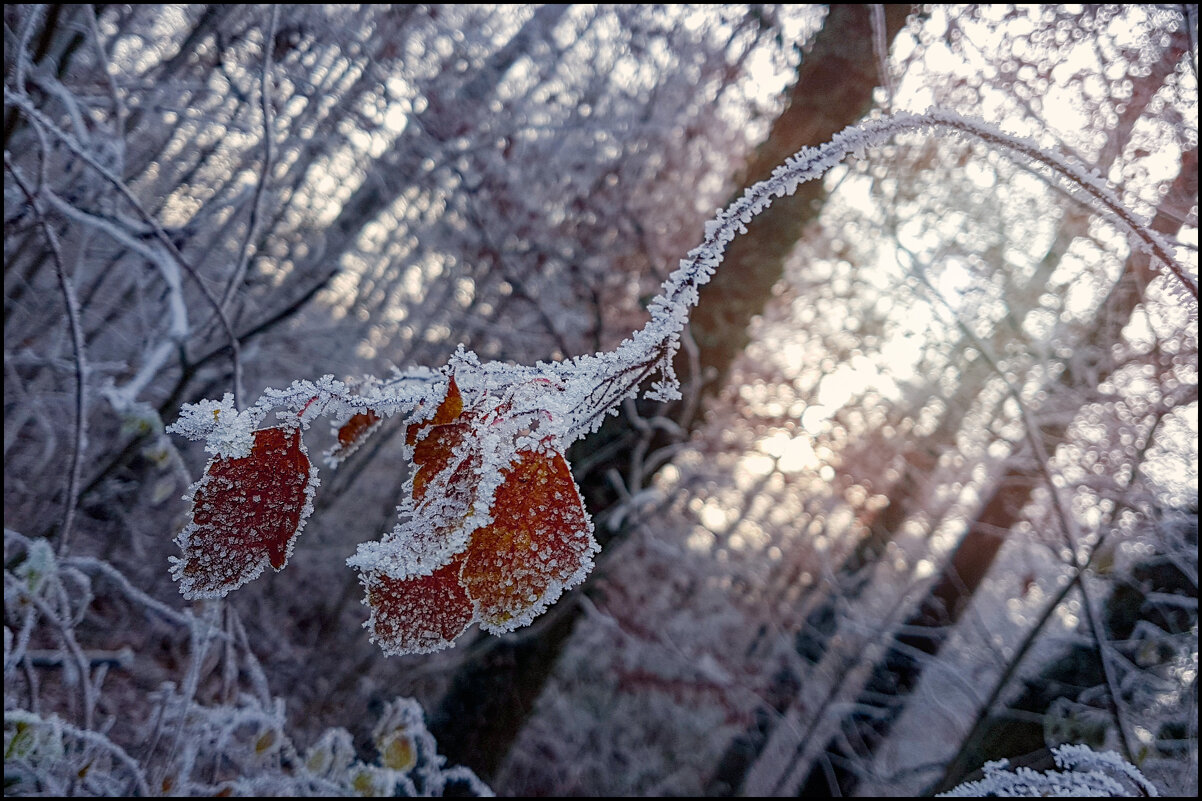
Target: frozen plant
(240, 747)
(492, 526)
(1083, 773)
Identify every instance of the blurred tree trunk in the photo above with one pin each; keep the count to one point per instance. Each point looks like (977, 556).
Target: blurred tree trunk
(834, 89)
(493, 695)
(925, 631)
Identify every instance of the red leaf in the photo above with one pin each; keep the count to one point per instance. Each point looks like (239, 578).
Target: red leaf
(352, 434)
(539, 543)
(246, 514)
(420, 614)
(353, 430)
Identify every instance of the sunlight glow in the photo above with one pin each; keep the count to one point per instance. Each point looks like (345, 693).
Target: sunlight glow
(793, 454)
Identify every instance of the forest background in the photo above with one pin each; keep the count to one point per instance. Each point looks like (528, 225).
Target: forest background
(929, 498)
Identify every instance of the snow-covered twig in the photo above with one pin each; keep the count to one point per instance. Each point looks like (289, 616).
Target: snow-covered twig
(588, 387)
(510, 410)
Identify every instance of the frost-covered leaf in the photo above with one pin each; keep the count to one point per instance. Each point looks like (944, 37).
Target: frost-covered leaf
(493, 534)
(539, 543)
(450, 408)
(352, 434)
(444, 490)
(439, 442)
(332, 754)
(398, 751)
(401, 733)
(356, 428)
(420, 614)
(246, 515)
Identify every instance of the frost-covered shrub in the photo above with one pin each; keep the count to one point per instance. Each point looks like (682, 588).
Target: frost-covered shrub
(1083, 773)
(186, 747)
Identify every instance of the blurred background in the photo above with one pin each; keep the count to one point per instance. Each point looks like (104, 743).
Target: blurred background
(930, 498)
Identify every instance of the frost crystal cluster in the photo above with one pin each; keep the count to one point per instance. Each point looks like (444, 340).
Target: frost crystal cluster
(1084, 773)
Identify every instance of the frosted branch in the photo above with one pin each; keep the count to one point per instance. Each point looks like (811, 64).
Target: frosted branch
(71, 302)
(573, 397)
(20, 100)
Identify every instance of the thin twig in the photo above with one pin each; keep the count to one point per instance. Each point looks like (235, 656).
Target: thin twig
(81, 368)
(200, 635)
(1003, 681)
(256, 209)
(89, 564)
(67, 633)
(1077, 179)
(1060, 506)
(1033, 633)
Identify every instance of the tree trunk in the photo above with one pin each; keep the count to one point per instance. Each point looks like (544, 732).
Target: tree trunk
(834, 89)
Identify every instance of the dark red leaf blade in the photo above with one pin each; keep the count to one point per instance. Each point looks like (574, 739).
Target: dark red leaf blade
(420, 614)
(246, 515)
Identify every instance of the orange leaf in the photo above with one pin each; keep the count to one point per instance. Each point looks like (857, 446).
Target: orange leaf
(354, 429)
(539, 543)
(420, 614)
(246, 514)
(434, 443)
(448, 410)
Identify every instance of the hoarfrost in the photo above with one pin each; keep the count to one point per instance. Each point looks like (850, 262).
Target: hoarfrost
(1083, 773)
